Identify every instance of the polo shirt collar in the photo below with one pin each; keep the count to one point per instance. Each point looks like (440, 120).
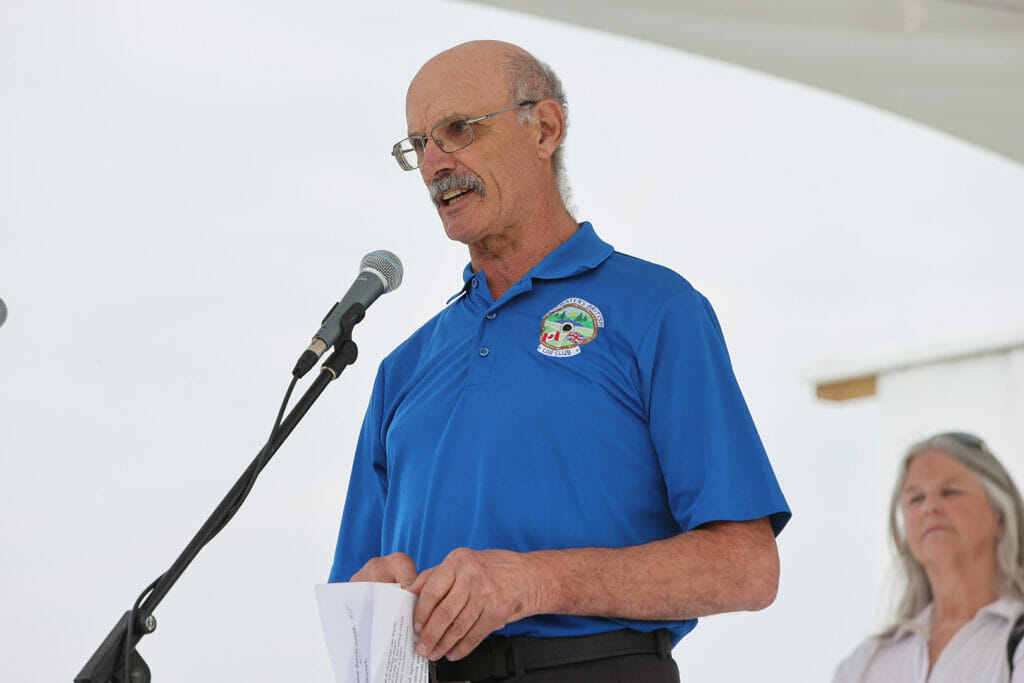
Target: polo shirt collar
(580, 253)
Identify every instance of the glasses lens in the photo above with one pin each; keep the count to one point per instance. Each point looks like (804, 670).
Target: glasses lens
(453, 134)
(408, 153)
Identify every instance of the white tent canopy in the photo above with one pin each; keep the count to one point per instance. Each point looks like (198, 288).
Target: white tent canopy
(954, 66)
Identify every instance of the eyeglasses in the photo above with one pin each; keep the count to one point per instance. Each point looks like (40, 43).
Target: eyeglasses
(450, 135)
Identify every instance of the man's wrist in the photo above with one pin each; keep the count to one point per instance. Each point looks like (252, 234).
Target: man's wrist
(549, 576)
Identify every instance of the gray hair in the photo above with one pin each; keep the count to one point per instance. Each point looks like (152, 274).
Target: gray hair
(530, 79)
(971, 452)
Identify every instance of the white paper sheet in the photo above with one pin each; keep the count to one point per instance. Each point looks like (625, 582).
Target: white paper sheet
(369, 634)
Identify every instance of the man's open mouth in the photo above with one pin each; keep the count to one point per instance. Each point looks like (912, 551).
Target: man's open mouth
(451, 196)
(450, 188)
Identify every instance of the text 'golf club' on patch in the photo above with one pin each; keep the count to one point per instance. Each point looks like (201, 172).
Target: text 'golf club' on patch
(568, 326)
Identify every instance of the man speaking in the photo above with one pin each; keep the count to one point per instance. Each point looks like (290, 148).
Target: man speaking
(560, 463)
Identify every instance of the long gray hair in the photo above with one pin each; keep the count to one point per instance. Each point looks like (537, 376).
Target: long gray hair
(971, 452)
(530, 79)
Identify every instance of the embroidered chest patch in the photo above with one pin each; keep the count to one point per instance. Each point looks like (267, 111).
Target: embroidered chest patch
(568, 326)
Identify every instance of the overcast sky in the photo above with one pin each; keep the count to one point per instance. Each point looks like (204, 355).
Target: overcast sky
(187, 187)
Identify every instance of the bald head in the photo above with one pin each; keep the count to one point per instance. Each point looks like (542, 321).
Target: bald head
(480, 58)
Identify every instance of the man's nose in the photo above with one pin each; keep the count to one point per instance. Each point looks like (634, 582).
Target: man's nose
(434, 160)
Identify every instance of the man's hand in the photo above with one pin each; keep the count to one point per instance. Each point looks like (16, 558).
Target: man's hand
(395, 568)
(467, 597)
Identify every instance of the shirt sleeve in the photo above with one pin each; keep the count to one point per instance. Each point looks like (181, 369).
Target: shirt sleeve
(359, 538)
(844, 672)
(714, 463)
(855, 665)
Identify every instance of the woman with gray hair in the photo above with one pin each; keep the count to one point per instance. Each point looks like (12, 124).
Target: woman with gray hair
(956, 523)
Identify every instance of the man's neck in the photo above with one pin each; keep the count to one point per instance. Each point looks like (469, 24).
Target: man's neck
(507, 257)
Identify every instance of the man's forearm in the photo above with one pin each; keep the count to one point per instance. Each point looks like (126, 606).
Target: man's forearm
(721, 567)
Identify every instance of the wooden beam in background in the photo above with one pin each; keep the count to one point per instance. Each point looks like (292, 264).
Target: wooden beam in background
(846, 389)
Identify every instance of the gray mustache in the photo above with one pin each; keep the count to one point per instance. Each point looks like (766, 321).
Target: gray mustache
(450, 181)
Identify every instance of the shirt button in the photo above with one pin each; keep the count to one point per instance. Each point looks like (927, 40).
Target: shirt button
(476, 283)
(491, 316)
(483, 351)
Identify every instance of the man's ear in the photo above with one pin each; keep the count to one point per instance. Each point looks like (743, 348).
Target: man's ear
(550, 126)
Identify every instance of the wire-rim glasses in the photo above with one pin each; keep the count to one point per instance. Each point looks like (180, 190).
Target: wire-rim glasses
(450, 135)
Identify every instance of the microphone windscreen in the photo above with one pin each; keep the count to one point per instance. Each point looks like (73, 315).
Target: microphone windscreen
(385, 263)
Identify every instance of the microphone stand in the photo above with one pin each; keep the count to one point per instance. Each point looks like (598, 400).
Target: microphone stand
(107, 665)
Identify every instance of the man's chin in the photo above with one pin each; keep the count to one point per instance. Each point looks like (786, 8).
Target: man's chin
(459, 228)
(459, 233)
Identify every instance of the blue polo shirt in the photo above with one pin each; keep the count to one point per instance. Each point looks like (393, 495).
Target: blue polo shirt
(592, 405)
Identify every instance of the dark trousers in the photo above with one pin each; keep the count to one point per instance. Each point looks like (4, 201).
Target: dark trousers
(650, 668)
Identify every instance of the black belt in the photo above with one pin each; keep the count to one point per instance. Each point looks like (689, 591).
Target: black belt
(500, 656)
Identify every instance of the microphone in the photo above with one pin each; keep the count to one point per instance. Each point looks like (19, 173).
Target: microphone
(379, 272)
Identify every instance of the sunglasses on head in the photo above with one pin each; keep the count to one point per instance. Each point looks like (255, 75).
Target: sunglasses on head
(964, 439)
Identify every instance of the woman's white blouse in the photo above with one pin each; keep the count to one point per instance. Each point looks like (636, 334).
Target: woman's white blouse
(977, 653)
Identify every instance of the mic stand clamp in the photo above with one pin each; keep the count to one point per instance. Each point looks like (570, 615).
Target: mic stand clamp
(109, 657)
